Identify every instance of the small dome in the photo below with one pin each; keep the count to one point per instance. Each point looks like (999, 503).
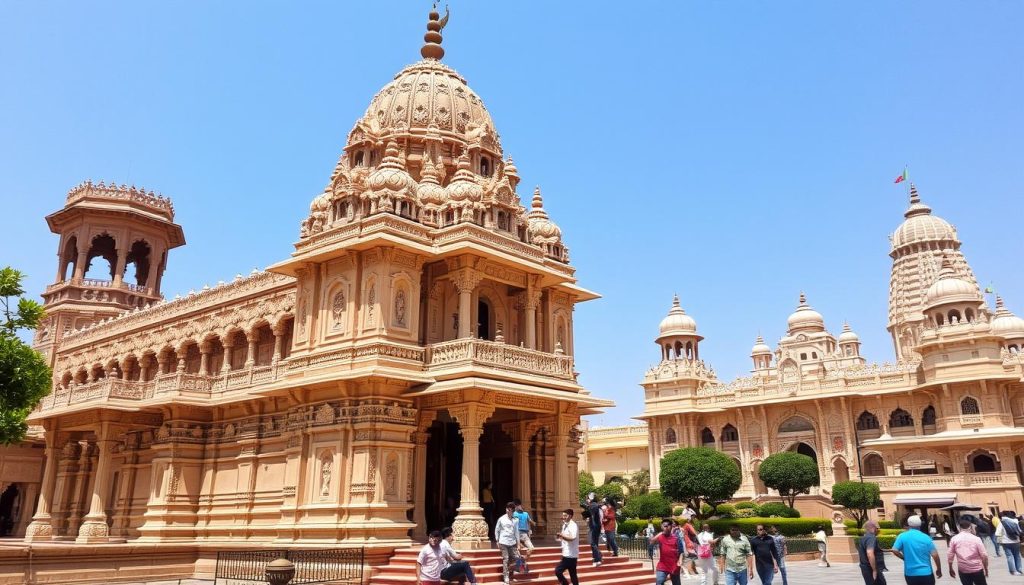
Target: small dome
(805, 317)
(464, 186)
(391, 175)
(1006, 323)
(321, 202)
(677, 322)
(430, 191)
(950, 288)
(848, 335)
(921, 225)
(760, 347)
(539, 228)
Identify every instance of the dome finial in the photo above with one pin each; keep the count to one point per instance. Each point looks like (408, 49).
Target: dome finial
(675, 301)
(914, 197)
(432, 48)
(803, 298)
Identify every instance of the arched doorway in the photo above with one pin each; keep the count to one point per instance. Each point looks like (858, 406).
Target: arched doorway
(759, 488)
(444, 467)
(805, 449)
(840, 470)
(483, 319)
(8, 499)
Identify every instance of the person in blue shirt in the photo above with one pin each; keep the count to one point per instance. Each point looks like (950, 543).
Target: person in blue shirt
(917, 549)
(526, 525)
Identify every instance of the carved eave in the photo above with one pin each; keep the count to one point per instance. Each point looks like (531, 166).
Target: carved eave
(512, 392)
(123, 211)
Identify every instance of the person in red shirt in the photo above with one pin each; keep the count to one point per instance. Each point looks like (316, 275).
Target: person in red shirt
(608, 525)
(690, 536)
(671, 554)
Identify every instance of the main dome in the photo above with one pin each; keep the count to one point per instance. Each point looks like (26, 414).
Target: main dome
(921, 225)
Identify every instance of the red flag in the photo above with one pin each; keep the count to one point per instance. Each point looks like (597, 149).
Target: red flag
(902, 177)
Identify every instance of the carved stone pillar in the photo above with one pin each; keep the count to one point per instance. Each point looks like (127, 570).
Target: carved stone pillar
(228, 344)
(83, 257)
(465, 281)
(531, 300)
(154, 268)
(250, 357)
(419, 514)
(122, 260)
(40, 528)
(562, 465)
(469, 526)
(204, 358)
(278, 343)
(94, 527)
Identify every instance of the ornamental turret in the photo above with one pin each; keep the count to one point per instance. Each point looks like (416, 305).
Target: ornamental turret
(677, 334)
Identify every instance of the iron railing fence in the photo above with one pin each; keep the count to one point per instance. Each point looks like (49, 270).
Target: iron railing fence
(339, 565)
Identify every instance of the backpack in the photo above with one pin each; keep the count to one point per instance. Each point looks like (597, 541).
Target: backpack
(1011, 528)
(704, 551)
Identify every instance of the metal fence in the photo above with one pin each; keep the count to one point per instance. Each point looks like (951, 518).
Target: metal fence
(638, 549)
(339, 565)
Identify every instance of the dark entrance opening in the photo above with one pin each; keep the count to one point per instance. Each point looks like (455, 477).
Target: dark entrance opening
(483, 320)
(805, 449)
(444, 474)
(7, 510)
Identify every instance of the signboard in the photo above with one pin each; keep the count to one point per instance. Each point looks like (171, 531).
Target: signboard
(919, 464)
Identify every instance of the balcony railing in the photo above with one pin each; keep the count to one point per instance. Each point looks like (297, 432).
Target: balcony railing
(498, 355)
(947, 480)
(96, 283)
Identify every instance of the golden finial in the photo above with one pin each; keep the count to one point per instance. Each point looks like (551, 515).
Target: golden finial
(432, 48)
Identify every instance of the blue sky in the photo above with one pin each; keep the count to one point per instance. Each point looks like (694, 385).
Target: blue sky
(734, 153)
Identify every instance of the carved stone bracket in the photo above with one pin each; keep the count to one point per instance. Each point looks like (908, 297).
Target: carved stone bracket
(466, 279)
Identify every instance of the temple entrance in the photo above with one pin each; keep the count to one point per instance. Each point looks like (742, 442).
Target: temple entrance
(805, 449)
(444, 473)
(7, 509)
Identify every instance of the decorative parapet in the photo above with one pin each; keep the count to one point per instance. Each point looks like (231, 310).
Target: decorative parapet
(628, 430)
(224, 293)
(101, 191)
(852, 378)
(680, 368)
(946, 480)
(498, 355)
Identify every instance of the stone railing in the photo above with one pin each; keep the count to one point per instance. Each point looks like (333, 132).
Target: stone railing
(617, 431)
(90, 190)
(847, 380)
(498, 355)
(99, 390)
(95, 283)
(946, 480)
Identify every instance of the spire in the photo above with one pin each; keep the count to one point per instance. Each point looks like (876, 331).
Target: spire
(803, 299)
(916, 207)
(537, 206)
(432, 48)
(946, 268)
(676, 309)
(1000, 307)
(914, 197)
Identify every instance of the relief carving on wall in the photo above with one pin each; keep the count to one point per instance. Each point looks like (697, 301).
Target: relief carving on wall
(326, 470)
(400, 306)
(338, 306)
(391, 475)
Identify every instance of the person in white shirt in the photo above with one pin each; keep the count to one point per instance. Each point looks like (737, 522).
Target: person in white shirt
(569, 536)
(430, 561)
(688, 512)
(506, 534)
(822, 539)
(453, 566)
(706, 543)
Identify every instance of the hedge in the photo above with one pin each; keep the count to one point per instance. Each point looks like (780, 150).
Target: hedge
(787, 526)
(881, 531)
(883, 524)
(746, 505)
(631, 526)
(778, 509)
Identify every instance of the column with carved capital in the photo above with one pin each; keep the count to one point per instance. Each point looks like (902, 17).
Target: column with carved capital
(470, 527)
(465, 281)
(531, 300)
(562, 465)
(419, 511)
(94, 526)
(25, 514)
(40, 528)
(278, 332)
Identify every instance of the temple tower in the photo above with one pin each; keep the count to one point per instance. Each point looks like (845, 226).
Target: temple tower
(128, 229)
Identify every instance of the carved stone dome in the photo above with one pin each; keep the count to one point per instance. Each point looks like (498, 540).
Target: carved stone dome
(950, 288)
(430, 191)
(391, 175)
(1006, 323)
(677, 322)
(464, 187)
(805, 317)
(540, 229)
(921, 225)
(760, 347)
(848, 335)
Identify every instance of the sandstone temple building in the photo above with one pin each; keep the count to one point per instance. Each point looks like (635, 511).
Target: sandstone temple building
(942, 423)
(415, 345)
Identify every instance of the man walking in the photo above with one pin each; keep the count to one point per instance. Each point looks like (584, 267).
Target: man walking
(872, 563)
(526, 525)
(671, 553)
(780, 545)
(916, 549)
(739, 563)
(430, 561)
(970, 554)
(766, 555)
(1008, 534)
(594, 527)
(506, 534)
(569, 536)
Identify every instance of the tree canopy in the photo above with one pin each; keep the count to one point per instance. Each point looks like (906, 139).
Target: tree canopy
(857, 497)
(650, 505)
(790, 473)
(24, 376)
(699, 474)
(586, 485)
(639, 483)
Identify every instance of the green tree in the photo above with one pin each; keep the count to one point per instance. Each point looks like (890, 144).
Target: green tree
(612, 489)
(650, 505)
(790, 473)
(586, 485)
(639, 483)
(24, 375)
(857, 497)
(699, 474)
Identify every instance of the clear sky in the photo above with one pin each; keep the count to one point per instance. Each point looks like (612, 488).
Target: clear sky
(734, 153)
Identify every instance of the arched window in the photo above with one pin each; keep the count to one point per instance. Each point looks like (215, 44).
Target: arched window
(670, 436)
(104, 247)
(485, 166)
(982, 462)
(359, 159)
(795, 424)
(954, 316)
(729, 433)
(707, 437)
(969, 406)
(969, 314)
(873, 465)
(939, 320)
(928, 416)
(900, 418)
(867, 421)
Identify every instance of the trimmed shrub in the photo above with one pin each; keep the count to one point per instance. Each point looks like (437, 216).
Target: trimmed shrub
(726, 510)
(745, 505)
(631, 526)
(678, 510)
(778, 509)
(647, 506)
(885, 541)
(699, 474)
(787, 526)
(705, 510)
(889, 524)
(747, 513)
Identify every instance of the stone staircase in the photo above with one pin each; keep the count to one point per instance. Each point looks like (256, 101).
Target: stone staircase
(621, 570)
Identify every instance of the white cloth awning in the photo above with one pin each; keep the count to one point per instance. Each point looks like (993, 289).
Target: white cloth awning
(933, 499)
